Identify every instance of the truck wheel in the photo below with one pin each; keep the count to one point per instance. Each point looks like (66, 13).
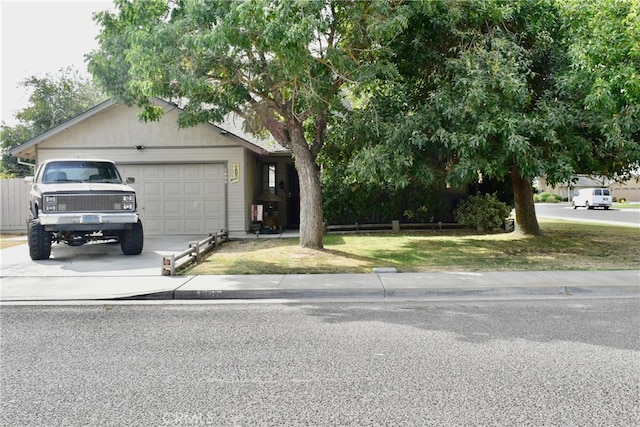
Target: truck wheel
(132, 240)
(39, 241)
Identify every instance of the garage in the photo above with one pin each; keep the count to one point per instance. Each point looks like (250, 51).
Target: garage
(180, 198)
(189, 181)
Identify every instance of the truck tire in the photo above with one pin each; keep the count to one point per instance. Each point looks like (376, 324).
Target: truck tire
(132, 240)
(39, 241)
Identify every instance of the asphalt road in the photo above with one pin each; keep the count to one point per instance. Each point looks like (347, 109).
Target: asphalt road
(506, 363)
(565, 211)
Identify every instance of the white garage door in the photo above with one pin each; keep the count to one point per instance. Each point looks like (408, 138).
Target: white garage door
(180, 198)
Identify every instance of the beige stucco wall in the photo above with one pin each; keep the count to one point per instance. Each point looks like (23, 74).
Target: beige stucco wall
(629, 190)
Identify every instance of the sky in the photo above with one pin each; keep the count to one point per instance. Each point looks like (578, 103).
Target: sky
(39, 38)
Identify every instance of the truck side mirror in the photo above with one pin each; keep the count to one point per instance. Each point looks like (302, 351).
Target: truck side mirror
(130, 180)
(28, 180)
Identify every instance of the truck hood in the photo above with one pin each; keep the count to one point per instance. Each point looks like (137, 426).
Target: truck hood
(83, 187)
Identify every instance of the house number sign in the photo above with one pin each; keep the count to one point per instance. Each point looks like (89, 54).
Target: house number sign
(235, 173)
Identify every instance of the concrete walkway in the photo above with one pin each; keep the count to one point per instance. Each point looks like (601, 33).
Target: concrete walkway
(560, 284)
(101, 272)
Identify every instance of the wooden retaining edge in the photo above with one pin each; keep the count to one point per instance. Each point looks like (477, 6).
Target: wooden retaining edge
(194, 253)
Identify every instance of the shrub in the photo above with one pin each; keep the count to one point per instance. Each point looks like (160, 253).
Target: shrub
(545, 197)
(483, 212)
(347, 203)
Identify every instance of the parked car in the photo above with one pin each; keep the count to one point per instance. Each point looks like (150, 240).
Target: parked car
(76, 201)
(592, 197)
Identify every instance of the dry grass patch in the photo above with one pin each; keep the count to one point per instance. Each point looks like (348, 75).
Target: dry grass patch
(10, 240)
(564, 246)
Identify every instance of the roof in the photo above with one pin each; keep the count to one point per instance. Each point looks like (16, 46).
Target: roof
(591, 181)
(232, 125)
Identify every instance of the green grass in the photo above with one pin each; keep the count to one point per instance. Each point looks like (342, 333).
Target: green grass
(625, 206)
(564, 246)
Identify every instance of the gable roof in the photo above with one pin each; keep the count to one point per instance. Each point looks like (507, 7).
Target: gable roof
(231, 126)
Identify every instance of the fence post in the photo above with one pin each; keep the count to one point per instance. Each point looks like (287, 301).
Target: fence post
(196, 245)
(169, 265)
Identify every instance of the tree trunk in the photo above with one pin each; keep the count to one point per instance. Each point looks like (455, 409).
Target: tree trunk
(526, 220)
(311, 232)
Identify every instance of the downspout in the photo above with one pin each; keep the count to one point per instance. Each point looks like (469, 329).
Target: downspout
(23, 163)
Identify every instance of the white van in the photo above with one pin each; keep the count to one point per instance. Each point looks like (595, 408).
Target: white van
(592, 197)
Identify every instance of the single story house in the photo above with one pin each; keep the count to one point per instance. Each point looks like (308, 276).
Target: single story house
(192, 180)
(628, 190)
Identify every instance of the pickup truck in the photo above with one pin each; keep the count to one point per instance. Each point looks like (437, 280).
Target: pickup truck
(77, 201)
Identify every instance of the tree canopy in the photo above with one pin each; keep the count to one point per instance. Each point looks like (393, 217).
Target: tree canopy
(281, 65)
(53, 99)
(505, 90)
(440, 92)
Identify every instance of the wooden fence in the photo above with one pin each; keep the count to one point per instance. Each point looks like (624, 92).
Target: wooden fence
(174, 262)
(14, 201)
(394, 226)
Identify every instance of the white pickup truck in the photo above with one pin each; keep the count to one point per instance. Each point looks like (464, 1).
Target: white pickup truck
(76, 201)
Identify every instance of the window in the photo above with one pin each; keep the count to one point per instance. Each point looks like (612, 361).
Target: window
(269, 178)
(81, 171)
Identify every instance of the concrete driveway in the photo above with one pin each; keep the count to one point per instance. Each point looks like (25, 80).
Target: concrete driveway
(95, 259)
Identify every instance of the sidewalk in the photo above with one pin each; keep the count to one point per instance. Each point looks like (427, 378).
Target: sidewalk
(434, 285)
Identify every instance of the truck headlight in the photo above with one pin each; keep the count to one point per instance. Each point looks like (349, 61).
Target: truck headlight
(128, 202)
(50, 203)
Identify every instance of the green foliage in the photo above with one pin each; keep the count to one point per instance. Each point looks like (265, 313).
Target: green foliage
(54, 99)
(272, 62)
(348, 203)
(57, 98)
(281, 65)
(11, 137)
(483, 212)
(500, 89)
(603, 82)
(546, 197)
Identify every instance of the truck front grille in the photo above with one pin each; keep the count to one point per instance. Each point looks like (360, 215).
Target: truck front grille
(90, 203)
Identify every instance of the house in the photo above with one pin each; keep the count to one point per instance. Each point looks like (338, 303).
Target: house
(192, 180)
(628, 190)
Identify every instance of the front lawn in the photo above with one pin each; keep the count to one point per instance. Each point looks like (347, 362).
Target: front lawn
(564, 246)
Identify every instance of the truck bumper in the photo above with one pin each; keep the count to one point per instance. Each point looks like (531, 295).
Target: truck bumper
(87, 221)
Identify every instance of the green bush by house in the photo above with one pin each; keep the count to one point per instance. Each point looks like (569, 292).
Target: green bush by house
(483, 212)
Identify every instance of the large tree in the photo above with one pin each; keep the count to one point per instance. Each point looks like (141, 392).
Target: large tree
(495, 92)
(281, 65)
(53, 99)
(604, 81)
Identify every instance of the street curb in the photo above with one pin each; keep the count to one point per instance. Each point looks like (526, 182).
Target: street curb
(277, 294)
(626, 291)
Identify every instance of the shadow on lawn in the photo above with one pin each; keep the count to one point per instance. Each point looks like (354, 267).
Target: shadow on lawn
(558, 249)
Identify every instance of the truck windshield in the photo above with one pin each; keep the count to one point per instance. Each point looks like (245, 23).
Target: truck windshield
(81, 172)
